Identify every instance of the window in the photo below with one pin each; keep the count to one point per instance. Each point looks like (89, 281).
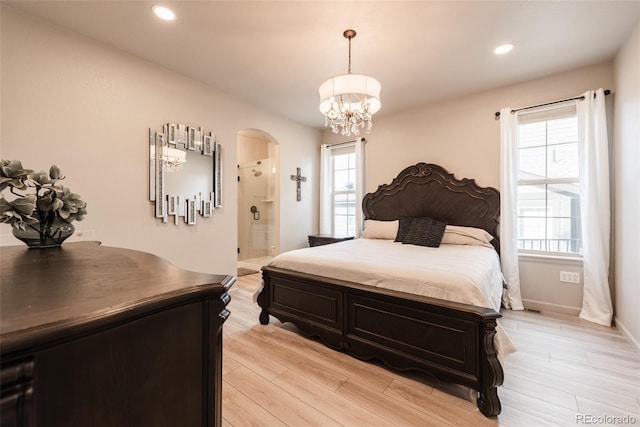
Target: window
(548, 203)
(343, 174)
(341, 188)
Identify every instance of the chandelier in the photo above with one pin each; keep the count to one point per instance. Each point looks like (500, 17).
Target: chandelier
(349, 100)
(173, 159)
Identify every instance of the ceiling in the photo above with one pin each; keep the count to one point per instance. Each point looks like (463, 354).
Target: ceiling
(275, 54)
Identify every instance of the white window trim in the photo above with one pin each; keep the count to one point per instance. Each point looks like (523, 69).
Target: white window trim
(526, 253)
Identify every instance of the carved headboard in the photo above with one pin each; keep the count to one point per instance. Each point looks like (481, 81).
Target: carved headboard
(428, 190)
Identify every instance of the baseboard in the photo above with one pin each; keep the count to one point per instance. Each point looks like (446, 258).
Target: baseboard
(634, 342)
(545, 306)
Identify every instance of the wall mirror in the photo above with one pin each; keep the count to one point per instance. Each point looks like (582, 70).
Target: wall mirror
(185, 173)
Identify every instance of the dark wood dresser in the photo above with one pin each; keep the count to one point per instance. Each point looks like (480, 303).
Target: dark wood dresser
(100, 336)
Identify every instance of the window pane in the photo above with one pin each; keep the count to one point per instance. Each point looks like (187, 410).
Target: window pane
(340, 225)
(562, 130)
(532, 201)
(563, 224)
(533, 228)
(352, 160)
(532, 134)
(345, 214)
(562, 161)
(340, 204)
(532, 163)
(562, 236)
(344, 174)
(564, 200)
(341, 161)
(549, 217)
(532, 214)
(351, 225)
(341, 180)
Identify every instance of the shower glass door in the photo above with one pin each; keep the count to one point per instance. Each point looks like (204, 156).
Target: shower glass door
(256, 217)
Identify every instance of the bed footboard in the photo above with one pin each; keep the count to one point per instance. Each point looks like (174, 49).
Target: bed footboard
(452, 341)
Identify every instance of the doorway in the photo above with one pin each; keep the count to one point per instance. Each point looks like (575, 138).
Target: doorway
(258, 199)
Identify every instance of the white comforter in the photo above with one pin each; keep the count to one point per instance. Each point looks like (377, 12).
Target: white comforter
(460, 273)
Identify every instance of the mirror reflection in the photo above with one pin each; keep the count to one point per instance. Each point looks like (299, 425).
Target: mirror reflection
(182, 173)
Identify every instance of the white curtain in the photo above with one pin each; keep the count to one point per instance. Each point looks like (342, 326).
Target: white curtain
(595, 208)
(508, 208)
(326, 214)
(359, 184)
(325, 190)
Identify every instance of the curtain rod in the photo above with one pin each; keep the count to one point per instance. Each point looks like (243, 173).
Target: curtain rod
(606, 92)
(344, 143)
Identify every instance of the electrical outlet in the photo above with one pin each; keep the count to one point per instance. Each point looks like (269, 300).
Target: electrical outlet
(569, 277)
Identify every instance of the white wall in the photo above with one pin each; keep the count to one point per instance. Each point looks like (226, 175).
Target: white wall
(627, 188)
(87, 107)
(463, 136)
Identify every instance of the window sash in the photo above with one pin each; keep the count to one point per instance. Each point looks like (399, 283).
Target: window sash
(343, 213)
(548, 215)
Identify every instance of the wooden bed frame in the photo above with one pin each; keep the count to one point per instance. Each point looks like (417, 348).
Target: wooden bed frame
(453, 341)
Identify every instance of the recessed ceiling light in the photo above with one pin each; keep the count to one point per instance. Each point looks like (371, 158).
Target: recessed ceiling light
(164, 13)
(501, 50)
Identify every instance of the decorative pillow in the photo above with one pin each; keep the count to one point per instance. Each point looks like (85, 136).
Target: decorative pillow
(379, 229)
(425, 232)
(459, 239)
(458, 235)
(404, 223)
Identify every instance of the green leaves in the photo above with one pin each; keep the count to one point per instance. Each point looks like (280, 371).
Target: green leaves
(24, 205)
(41, 178)
(12, 174)
(36, 197)
(17, 213)
(49, 201)
(73, 207)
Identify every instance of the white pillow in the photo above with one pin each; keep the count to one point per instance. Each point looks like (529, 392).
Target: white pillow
(374, 229)
(458, 235)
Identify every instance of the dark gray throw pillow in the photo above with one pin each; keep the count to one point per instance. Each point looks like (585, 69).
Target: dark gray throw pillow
(404, 224)
(425, 232)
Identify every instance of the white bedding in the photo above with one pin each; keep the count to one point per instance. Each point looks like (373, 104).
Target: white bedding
(460, 273)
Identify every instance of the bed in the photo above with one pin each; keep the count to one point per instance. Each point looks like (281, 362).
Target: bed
(393, 312)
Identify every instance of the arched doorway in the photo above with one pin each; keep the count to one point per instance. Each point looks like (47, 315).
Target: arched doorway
(258, 198)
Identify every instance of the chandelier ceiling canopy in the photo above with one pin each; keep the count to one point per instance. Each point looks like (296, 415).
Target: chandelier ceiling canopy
(349, 100)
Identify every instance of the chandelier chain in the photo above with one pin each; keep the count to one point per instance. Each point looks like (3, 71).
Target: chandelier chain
(349, 68)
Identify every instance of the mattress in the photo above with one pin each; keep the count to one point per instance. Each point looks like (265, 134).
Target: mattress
(459, 273)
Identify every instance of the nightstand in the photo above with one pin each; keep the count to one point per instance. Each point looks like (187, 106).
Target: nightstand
(325, 239)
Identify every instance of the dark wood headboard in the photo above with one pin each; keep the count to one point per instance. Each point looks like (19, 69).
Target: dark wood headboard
(428, 190)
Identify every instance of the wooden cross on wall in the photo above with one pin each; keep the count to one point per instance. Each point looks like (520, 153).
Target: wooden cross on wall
(298, 178)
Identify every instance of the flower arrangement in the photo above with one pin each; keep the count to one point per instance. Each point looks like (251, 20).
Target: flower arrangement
(39, 204)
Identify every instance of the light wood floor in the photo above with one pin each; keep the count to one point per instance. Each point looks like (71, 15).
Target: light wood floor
(565, 370)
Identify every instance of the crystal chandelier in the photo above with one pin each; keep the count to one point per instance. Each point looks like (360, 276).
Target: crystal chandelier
(173, 159)
(349, 100)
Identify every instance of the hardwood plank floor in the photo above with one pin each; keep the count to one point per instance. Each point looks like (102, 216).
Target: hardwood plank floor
(565, 371)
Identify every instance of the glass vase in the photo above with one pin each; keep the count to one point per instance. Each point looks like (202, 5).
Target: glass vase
(41, 235)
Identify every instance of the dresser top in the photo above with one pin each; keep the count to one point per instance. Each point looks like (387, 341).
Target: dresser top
(46, 291)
